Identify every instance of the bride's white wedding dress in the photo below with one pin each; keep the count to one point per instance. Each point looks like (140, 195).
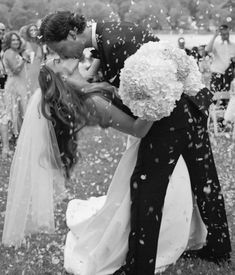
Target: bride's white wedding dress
(99, 227)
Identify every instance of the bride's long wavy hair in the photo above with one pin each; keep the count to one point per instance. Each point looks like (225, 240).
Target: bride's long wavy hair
(69, 110)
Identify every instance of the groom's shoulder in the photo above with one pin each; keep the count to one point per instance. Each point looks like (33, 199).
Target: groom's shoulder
(125, 27)
(115, 25)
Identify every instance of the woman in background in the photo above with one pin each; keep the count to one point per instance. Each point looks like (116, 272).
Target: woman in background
(16, 88)
(4, 119)
(35, 51)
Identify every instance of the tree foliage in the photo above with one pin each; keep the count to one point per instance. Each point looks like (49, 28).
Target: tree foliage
(157, 14)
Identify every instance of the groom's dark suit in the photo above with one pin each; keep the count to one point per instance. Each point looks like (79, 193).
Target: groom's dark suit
(184, 132)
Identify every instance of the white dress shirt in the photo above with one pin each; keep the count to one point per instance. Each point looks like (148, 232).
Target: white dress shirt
(223, 52)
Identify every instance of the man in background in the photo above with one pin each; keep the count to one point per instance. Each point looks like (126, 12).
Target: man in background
(223, 52)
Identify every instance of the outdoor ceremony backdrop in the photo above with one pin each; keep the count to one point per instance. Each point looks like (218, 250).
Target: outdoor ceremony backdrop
(164, 15)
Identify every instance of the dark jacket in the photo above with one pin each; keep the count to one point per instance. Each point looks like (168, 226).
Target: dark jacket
(118, 40)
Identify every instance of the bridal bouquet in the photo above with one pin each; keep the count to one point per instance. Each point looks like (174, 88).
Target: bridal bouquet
(155, 77)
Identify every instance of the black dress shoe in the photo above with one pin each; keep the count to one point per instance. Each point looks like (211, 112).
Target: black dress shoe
(202, 254)
(219, 259)
(190, 255)
(119, 272)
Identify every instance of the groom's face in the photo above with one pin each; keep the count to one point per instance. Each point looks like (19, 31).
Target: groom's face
(67, 48)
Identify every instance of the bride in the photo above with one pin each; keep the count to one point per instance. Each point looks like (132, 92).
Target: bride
(99, 227)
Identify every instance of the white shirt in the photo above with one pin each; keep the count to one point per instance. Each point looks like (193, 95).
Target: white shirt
(222, 52)
(93, 35)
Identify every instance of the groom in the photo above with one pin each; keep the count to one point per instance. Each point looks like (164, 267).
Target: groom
(67, 34)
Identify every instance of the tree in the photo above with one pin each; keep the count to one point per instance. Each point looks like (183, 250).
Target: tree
(156, 14)
(163, 14)
(177, 14)
(90, 8)
(211, 13)
(149, 13)
(4, 14)
(20, 17)
(24, 12)
(229, 5)
(121, 7)
(8, 3)
(54, 5)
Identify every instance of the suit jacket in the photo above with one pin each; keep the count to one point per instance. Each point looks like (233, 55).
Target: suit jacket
(118, 40)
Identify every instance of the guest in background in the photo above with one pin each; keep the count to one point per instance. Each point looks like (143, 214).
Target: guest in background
(16, 91)
(223, 51)
(229, 115)
(35, 51)
(4, 115)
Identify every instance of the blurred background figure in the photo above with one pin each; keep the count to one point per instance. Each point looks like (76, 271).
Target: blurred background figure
(3, 75)
(181, 45)
(223, 51)
(34, 50)
(230, 111)
(4, 115)
(16, 91)
(4, 121)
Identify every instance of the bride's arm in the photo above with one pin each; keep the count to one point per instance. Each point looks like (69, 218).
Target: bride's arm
(117, 119)
(93, 69)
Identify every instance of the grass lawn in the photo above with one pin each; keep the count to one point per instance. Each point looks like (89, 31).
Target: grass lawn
(101, 151)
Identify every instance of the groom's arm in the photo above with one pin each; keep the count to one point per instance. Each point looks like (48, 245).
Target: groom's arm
(203, 100)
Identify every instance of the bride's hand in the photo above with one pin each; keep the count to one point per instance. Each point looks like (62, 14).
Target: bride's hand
(26, 56)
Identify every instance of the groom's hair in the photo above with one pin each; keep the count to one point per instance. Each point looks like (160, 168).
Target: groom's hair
(56, 26)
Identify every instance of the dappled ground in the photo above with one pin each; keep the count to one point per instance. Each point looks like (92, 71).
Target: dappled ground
(101, 151)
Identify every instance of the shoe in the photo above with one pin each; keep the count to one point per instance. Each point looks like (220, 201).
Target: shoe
(203, 255)
(219, 259)
(190, 255)
(119, 272)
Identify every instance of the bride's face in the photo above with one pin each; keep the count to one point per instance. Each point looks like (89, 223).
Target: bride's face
(68, 48)
(68, 67)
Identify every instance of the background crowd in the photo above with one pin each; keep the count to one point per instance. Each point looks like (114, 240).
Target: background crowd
(22, 54)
